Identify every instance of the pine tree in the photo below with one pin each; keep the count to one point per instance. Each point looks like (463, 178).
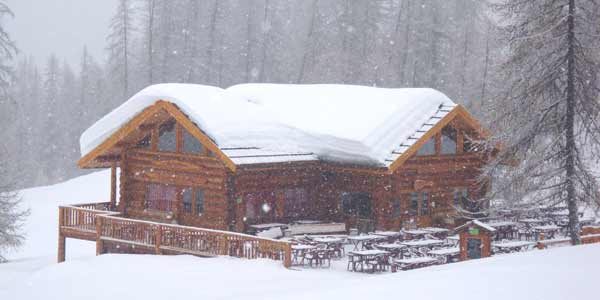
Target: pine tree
(11, 215)
(7, 50)
(547, 118)
(119, 43)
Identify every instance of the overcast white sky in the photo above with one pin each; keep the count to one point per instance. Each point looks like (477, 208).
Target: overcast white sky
(41, 27)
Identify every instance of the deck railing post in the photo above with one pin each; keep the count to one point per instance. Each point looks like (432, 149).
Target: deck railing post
(99, 243)
(61, 238)
(223, 244)
(287, 256)
(157, 239)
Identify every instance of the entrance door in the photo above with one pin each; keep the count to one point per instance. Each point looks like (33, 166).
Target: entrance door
(473, 248)
(357, 209)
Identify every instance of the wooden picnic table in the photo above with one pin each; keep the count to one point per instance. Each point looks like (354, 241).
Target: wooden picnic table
(390, 236)
(423, 243)
(437, 231)
(328, 240)
(267, 226)
(504, 229)
(396, 249)
(361, 239)
(513, 246)
(416, 262)
(387, 233)
(448, 254)
(416, 233)
(298, 252)
(375, 257)
(453, 239)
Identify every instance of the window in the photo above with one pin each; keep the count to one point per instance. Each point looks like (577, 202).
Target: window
(191, 144)
(419, 203)
(167, 139)
(460, 196)
(396, 208)
(448, 140)
(160, 197)
(144, 143)
(414, 203)
(428, 148)
(424, 203)
(187, 200)
(356, 204)
(260, 205)
(295, 202)
(199, 201)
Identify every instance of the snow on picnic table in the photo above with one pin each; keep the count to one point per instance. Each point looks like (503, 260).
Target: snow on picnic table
(559, 273)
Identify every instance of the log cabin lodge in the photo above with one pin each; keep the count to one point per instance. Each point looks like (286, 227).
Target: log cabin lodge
(226, 159)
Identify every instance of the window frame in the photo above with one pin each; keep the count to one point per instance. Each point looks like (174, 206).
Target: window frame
(429, 143)
(444, 135)
(161, 132)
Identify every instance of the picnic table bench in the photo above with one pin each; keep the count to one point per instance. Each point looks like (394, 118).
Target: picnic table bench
(513, 246)
(376, 259)
(423, 243)
(437, 231)
(415, 262)
(397, 250)
(448, 254)
(416, 233)
(361, 239)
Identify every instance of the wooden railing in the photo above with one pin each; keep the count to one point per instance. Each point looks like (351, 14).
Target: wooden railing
(83, 216)
(167, 238)
(589, 235)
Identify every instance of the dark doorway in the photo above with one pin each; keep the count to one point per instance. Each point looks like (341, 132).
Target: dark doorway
(473, 248)
(357, 210)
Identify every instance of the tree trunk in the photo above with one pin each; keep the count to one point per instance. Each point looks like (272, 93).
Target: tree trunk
(570, 130)
(150, 33)
(309, 41)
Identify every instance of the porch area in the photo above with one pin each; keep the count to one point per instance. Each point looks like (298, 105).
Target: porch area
(112, 232)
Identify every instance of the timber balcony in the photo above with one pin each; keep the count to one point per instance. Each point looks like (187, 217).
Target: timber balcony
(98, 222)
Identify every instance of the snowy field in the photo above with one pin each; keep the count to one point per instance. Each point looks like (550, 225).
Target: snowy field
(562, 273)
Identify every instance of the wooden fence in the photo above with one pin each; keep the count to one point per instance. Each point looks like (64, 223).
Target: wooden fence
(589, 235)
(166, 238)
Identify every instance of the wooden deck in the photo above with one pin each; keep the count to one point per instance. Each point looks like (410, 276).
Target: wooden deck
(97, 222)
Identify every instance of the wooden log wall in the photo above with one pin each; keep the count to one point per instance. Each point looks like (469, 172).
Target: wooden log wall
(144, 167)
(439, 176)
(276, 180)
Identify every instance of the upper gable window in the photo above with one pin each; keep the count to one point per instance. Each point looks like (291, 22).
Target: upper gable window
(191, 144)
(448, 140)
(427, 148)
(144, 143)
(167, 141)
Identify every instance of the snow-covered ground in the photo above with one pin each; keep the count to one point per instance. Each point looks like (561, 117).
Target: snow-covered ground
(561, 273)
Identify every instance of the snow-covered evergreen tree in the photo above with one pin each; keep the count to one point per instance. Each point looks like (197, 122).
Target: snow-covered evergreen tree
(12, 215)
(119, 46)
(547, 116)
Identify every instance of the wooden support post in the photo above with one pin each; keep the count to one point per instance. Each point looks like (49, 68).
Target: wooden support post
(113, 185)
(223, 245)
(158, 240)
(287, 256)
(99, 243)
(61, 238)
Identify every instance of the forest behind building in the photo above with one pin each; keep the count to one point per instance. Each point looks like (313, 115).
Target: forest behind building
(449, 45)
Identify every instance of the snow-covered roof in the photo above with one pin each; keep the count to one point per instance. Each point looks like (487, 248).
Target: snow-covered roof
(266, 123)
(478, 223)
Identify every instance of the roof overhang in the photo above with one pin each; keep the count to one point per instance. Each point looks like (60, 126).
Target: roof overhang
(110, 150)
